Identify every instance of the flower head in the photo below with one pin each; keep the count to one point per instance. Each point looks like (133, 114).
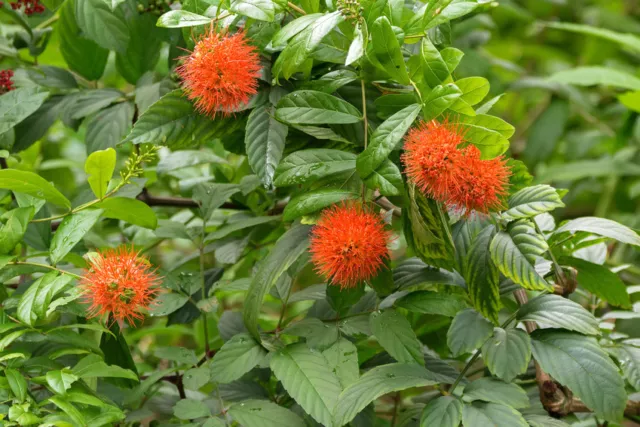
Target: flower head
(6, 84)
(119, 282)
(349, 244)
(437, 162)
(30, 6)
(221, 73)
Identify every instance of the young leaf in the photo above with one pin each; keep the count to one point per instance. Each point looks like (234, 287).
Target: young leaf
(264, 141)
(507, 353)
(394, 333)
(307, 377)
(99, 168)
(579, 363)
(71, 230)
(560, 312)
(468, 331)
(236, 357)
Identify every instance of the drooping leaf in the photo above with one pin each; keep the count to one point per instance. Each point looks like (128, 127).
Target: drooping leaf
(15, 227)
(434, 69)
(93, 366)
(104, 26)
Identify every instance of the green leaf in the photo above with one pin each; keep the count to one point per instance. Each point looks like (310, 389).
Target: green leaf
(387, 179)
(536, 420)
(474, 89)
(414, 271)
(579, 363)
(130, 210)
(166, 303)
(601, 281)
(93, 366)
(559, 312)
(307, 377)
(16, 105)
(195, 378)
(181, 18)
(314, 107)
(358, 45)
(71, 230)
(172, 121)
(492, 390)
(237, 225)
(507, 353)
(594, 75)
(211, 196)
(286, 251)
(102, 25)
(429, 302)
(313, 201)
(514, 251)
(491, 414)
(489, 133)
(439, 99)
(181, 355)
(99, 168)
(468, 331)
(262, 10)
(185, 159)
(12, 232)
(602, 227)
(304, 42)
(189, 409)
(10, 338)
(318, 335)
(377, 382)
(145, 43)
(385, 51)
(385, 139)
(81, 54)
(236, 357)
(262, 413)
(107, 128)
(17, 384)
(293, 28)
(394, 333)
(312, 164)
(342, 358)
(72, 412)
(546, 131)
(482, 276)
(427, 230)
(85, 103)
(35, 301)
(34, 127)
(626, 40)
(60, 381)
(443, 411)
(531, 201)
(434, 69)
(629, 356)
(631, 100)
(264, 142)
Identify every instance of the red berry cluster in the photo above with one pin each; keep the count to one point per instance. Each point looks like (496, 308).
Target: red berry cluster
(30, 6)
(5, 81)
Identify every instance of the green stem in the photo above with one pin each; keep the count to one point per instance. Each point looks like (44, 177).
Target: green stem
(296, 8)
(48, 22)
(203, 289)
(366, 132)
(36, 264)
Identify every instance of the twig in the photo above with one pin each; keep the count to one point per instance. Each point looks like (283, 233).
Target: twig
(296, 8)
(49, 267)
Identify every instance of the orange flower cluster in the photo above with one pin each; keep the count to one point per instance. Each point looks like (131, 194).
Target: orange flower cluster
(349, 244)
(221, 73)
(119, 282)
(440, 167)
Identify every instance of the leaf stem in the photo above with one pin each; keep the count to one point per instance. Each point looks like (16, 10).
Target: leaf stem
(366, 131)
(296, 8)
(48, 22)
(36, 264)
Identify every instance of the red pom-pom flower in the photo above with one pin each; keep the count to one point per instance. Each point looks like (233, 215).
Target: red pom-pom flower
(221, 73)
(6, 84)
(349, 244)
(119, 282)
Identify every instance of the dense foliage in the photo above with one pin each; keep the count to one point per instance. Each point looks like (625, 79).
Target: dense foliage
(266, 213)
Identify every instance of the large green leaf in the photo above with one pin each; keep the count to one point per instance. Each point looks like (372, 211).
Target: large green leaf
(443, 411)
(311, 164)
(385, 51)
(264, 142)
(602, 227)
(130, 210)
(144, 47)
(429, 302)
(414, 271)
(314, 107)
(507, 353)
(536, 420)
(482, 276)
(491, 414)
(286, 251)
(377, 382)
(109, 126)
(172, 121)
(16, 105)
(262, 413)
(629, 41)
(71, 230)
(342, 358)
(531, 201)
(313, 201)
(489, 389)
(594, 75)
(33, 185)
(434, 69)
(262, 10)
(13, 230)
(515, 251)
(60, 381)
(489, 133)
(293, 28)
(439, 99)
(385, 139)
(559, 312)
(387, 179)
(104, 26)
(395, 334)
(600, 281)
(579, 363)
(182, 18)
(99, 167)
(82, 55)
(307, 377)
(468, 331)
(35, 301)
(427, 230)
(93, 366)
(236, 357)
